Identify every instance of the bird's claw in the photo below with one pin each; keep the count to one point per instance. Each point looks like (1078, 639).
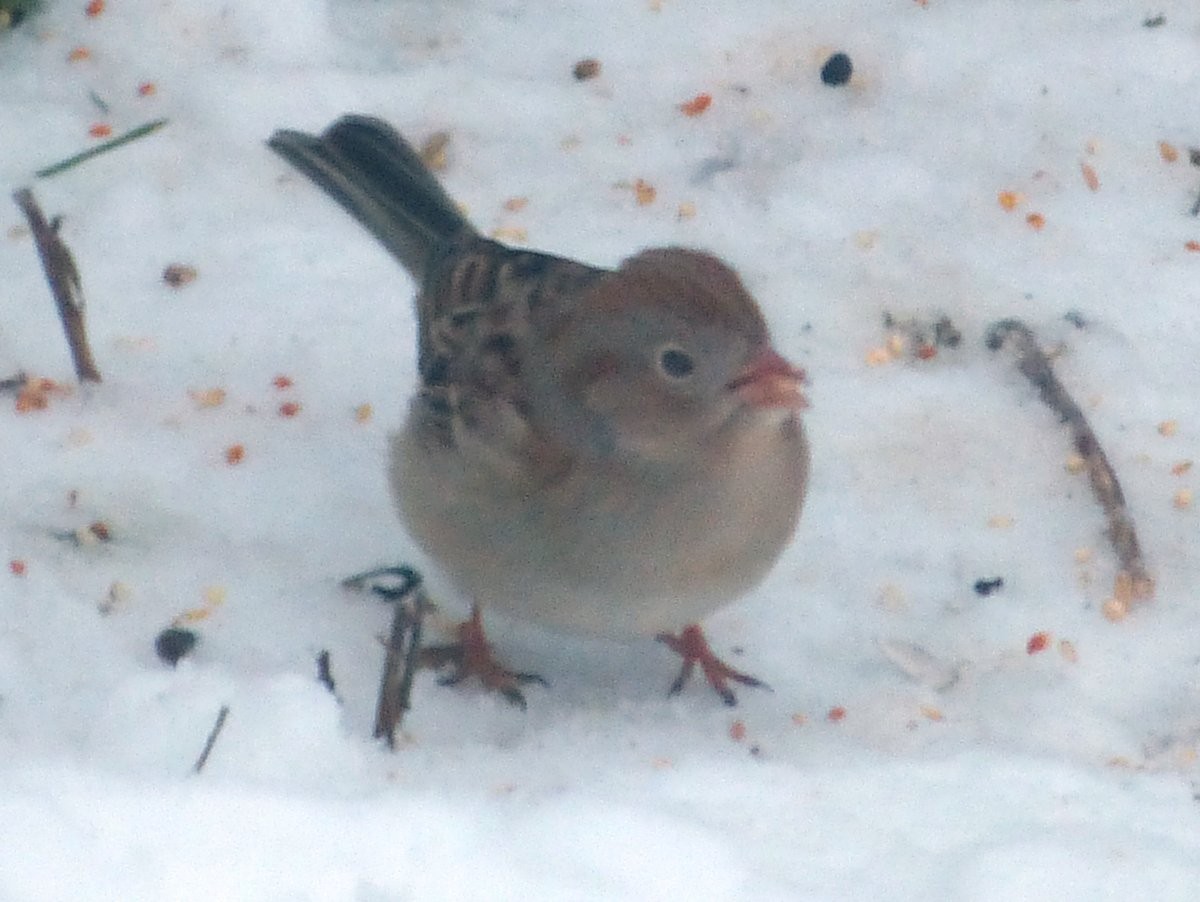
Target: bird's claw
(691, 645)
(471, 656)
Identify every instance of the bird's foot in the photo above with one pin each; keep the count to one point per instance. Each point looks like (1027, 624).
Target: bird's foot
(691, 645)
(471, 656)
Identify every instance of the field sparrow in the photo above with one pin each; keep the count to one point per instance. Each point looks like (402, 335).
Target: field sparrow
(607, 452)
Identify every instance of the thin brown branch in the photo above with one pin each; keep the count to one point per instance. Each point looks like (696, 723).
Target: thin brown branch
(212, 739)
(65, 284)
(1133, 581)
(403, 645)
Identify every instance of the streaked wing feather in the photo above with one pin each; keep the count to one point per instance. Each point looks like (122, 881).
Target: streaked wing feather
(478, 308)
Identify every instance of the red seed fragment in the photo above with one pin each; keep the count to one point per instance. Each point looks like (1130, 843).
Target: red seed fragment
(1037, 642)
(35, 394)
(1009, 200)
(696, 105)
(1089, 177)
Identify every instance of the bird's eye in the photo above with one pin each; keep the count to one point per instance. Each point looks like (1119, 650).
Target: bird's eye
(676, 363)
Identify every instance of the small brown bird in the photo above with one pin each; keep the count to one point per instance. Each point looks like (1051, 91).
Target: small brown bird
(612, 452)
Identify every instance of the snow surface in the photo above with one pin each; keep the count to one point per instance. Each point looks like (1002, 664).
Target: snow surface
(971, 770)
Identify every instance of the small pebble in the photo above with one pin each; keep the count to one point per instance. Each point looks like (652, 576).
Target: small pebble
(837, 70)
(174, 643)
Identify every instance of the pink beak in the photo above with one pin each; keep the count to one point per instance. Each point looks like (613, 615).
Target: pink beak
(770, 381)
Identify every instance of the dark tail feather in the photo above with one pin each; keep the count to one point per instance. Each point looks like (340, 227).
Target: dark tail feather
(370, 170)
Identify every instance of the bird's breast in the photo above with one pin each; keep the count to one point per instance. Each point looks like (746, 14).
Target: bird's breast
(607, 547)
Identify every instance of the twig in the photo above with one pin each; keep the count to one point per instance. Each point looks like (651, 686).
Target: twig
(403, 645)
(325, 673)
(403, 648)
(132, 135)
(212, 739)
(14, 383)
(65, 285)
(1194, 159)
(1133, 581)
(400, 666)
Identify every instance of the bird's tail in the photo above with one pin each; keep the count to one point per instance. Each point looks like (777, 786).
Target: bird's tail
(370, 170)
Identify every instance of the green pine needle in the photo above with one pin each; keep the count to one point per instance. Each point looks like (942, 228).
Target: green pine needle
(140, 132)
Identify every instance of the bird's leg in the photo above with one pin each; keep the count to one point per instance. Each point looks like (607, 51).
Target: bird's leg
(691, 645)
(471, 656)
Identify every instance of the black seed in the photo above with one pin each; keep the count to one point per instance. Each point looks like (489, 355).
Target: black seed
(837, 70)
(585, 69)
(174, 643)
(986, 587)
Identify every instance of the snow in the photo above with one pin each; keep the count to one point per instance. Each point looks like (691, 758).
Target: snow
(964, 767)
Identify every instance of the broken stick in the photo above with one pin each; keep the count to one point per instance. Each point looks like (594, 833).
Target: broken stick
(1133, 581)
(403, 645)
(65, 284)
(14, 383)
(325, 673)
(211, 740)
